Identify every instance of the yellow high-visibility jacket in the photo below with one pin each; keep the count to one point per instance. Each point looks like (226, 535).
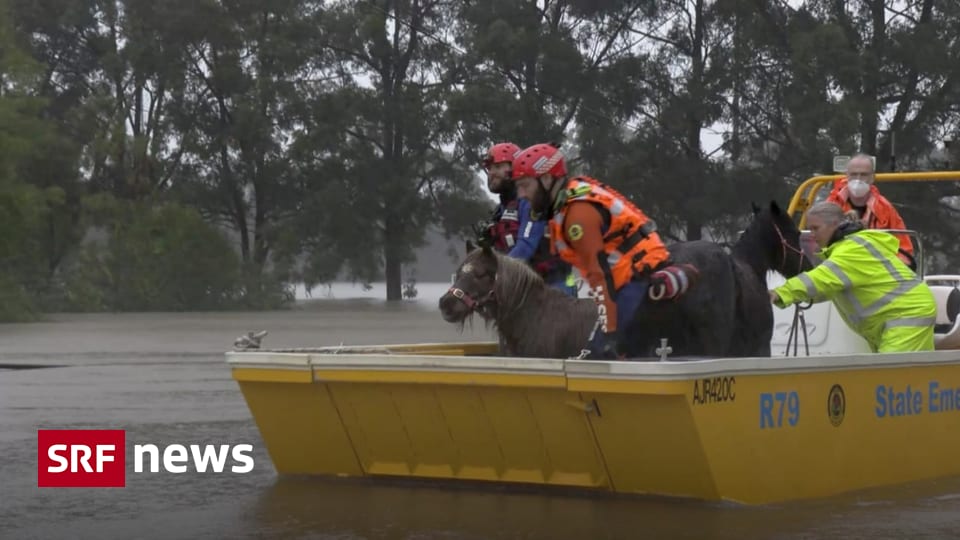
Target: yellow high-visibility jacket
(876, 294)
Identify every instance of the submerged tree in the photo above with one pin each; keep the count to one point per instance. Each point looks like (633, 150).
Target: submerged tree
(394, 70)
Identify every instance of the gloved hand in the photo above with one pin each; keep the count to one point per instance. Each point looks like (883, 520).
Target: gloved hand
(670, 282)
(484, 233)
(604, 346)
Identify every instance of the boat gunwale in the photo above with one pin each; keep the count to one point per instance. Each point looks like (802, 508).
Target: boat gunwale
(269, 360)
(772, 365)
(587, 369)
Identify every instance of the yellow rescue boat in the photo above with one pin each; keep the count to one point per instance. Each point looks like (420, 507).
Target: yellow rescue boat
(750, 430)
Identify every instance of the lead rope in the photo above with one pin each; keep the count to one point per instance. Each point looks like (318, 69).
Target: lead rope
(586, 352)
(799, 322)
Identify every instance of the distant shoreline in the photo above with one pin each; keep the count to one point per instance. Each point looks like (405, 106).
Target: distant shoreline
(328, 296)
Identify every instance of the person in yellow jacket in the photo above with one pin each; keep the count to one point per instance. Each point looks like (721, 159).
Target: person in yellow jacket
(876, 294)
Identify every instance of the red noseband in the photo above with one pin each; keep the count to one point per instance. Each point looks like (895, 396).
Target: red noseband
(471, 302)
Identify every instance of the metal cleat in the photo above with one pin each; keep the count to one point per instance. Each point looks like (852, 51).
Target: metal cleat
(249, 341)
(663, 350)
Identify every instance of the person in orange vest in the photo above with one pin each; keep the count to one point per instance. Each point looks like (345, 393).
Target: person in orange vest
(857, 192)
(613, 244)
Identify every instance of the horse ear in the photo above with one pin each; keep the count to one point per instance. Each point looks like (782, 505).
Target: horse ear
(470, 246)
(774, 208)
(487, 250)
(756, 209)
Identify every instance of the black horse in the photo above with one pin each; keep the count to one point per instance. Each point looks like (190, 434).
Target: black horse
(729, 313)
(770, 243)
(726, 312)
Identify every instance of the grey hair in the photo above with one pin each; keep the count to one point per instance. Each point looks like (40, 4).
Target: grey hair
(863, 155)
(829, 212)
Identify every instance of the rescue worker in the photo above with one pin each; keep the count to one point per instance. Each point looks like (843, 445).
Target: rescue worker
(512, 231)
(856, 191)
(600, 232)
(877, 295)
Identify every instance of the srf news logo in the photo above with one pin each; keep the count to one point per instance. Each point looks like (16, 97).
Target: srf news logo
(97, 458)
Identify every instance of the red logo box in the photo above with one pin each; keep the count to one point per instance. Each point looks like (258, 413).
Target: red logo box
(81, 458)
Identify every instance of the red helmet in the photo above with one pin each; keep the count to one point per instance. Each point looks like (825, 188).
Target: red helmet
(500, 153)
(538, 160)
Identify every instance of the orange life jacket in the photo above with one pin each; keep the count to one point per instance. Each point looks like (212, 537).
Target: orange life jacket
(880, 212)
(630, 241)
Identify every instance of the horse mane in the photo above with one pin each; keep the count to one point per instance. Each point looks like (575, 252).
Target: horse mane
(515, 278)
(535, 319)
(760, 246)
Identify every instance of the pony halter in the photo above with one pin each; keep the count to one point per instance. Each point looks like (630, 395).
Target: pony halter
(785, 248)
(473, 304)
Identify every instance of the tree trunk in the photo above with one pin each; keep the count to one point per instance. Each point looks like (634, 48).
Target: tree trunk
(870, 113)
(392, 237)
(238, 210)
(738, 76)
(695, 115)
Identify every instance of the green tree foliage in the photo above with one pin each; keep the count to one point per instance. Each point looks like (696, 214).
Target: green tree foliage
(211, 155)
(533, 66)
(154, 256)
(25, 208)
(392, 69)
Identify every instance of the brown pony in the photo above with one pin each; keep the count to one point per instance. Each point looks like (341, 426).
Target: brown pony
(532, 319)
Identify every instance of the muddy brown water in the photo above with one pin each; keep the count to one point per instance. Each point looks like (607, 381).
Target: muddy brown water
(163, 378)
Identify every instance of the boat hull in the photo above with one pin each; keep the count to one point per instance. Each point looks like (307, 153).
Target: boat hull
(748, 430)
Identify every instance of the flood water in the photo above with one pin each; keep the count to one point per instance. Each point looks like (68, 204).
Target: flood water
(163, 378)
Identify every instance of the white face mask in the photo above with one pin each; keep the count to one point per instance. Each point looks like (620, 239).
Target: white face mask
(858, 188)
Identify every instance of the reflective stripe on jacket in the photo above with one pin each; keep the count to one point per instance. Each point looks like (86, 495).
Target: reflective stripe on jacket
(871, 287)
